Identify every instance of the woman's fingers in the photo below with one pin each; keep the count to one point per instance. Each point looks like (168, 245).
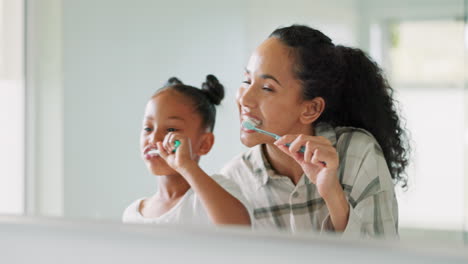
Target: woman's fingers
(317, 150)
(309, 151)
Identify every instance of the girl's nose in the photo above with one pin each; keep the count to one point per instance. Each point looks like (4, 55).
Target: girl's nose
(155, 137)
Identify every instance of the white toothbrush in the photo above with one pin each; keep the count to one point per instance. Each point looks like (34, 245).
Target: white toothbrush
(156, 151)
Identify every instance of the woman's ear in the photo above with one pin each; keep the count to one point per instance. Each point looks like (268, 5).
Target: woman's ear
(206, 143)
(312, 110)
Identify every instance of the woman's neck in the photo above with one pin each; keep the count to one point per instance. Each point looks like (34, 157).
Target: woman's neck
(171, 187)
(284, 164)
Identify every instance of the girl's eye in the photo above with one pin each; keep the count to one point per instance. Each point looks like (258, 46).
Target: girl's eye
(171, 129)
(147, 129)
(246, 82)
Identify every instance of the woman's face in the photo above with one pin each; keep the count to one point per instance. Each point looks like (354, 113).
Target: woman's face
(167, 112)
(270, 95)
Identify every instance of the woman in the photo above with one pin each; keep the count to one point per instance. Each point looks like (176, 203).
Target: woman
(334, 103)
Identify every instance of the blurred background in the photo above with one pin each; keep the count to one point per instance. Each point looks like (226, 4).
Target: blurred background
(75, 76)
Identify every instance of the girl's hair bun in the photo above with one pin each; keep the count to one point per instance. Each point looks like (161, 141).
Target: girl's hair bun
(213, 89)
(173, 81)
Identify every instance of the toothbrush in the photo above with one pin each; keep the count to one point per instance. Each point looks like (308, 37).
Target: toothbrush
(156, 151)
(248, 124)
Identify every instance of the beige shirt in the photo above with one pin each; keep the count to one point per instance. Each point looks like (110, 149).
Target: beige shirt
(363, 173)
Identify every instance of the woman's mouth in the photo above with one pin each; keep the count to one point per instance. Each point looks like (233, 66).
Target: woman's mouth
(252, 120)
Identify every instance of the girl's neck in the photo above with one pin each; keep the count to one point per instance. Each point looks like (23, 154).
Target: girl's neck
(284, 164)
(171, 187)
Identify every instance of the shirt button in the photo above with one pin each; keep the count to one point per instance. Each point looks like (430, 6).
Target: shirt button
(295, 194)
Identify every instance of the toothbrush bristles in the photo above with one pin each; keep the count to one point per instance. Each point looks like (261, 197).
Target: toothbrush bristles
(248, 124)
(153, 152)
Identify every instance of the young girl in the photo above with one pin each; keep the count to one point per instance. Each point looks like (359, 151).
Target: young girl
(185, 115)
(334, 103)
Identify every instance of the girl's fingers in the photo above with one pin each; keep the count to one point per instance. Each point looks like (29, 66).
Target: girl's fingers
(165, 142)
(169, 141)
(172, 138)
(162, 151)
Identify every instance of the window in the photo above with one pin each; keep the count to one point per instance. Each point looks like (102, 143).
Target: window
(12, 108)
(426, 68)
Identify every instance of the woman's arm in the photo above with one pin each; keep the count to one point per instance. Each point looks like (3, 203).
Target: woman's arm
(338, 207)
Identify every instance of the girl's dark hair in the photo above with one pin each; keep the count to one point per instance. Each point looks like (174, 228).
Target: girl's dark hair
(355, 91)
(204, 99)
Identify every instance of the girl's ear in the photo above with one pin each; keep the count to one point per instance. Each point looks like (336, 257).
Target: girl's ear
(206, 143)
(312, 110)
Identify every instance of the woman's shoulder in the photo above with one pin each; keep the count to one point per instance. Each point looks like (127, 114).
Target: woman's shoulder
(362, 160)
(355, 141)
(242, 160)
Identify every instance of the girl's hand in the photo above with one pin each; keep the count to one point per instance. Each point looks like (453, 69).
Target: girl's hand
(319, 160)
(182, 157)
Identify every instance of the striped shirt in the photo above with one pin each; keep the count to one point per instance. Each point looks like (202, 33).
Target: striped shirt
(363, 173)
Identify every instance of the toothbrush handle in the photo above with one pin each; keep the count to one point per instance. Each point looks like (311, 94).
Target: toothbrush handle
(302, 150)
(176, 145)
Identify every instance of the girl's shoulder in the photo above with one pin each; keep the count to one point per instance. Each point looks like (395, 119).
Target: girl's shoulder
(132, 212)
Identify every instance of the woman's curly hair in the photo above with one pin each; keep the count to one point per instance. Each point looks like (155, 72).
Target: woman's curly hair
(355, 91)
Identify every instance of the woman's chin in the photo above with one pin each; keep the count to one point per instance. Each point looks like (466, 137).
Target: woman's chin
(252, 140)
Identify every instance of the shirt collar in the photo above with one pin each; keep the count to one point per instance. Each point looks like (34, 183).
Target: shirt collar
(326, 130)
(261, 168)
(259, 165)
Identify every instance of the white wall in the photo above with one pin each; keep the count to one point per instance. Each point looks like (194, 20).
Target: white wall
(117, 53)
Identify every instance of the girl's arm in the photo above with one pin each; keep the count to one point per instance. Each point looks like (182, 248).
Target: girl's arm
(222, 207)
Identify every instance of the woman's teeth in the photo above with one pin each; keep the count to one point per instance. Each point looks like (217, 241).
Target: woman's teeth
(256, 122)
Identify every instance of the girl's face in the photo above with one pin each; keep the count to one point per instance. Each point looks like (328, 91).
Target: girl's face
(168, 111)
(270, 95)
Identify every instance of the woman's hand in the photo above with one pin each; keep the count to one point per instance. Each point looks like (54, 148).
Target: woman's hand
(319, 160)
(182, 157)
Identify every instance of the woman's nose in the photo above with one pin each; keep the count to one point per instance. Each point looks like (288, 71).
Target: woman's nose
(246, 96)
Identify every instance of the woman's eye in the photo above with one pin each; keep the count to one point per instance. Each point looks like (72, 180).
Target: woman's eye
(147, 129)
(171, 129)
(268, 89)
(246, 82)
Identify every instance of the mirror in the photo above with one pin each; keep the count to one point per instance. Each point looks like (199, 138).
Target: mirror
(92, 65)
